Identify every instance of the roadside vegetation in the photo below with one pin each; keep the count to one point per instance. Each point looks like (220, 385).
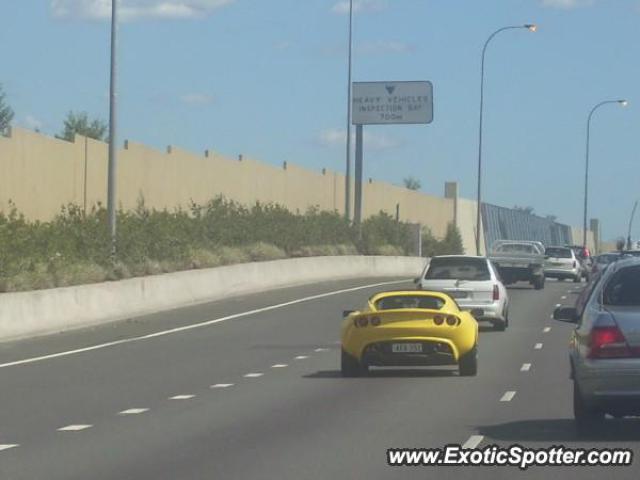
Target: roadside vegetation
(73, 248)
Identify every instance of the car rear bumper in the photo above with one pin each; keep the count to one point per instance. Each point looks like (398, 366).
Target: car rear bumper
(557, 272)
(485, 311)
(434, 353)
(611, 386)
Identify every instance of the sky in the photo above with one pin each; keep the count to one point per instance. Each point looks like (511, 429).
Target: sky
(268, 79)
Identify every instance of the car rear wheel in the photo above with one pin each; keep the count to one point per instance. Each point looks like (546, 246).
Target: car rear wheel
(577, 279)
(468, 363)
(538, 283)
(350, 367)
(586, 416)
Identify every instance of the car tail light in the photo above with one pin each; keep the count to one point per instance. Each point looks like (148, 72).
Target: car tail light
(375, 321)
(362, 321)
(452, 321)
(496, 293)
(438, 319)
(609, 342)
(574, 264)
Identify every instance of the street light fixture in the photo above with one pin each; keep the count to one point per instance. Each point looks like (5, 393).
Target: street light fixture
(622, 103)
(532, 28)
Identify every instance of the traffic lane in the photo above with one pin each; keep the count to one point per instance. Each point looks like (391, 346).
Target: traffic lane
(76, 388)
(11, 351)
(346, 420)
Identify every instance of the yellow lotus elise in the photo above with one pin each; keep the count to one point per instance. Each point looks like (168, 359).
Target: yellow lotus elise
(409, 328)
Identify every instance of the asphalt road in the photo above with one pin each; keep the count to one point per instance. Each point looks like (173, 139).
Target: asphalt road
(209, 392)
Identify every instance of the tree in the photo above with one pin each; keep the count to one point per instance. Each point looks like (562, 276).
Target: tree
(6, 113)
(412, 183)
(79, 123)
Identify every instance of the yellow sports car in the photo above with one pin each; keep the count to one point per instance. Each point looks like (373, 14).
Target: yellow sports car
(409, 328)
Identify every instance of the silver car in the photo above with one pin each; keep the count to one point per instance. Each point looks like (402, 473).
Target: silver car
(561, 263)
(473, 282)
(605, 346)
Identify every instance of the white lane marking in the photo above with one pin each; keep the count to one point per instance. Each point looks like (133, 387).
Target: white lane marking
(473, 442)
(551, 316)
(181, 397)
(538, 346)
(195, 325)
(301, 357)
(74, 428)
(221, 385)
(546, 329)
(133, 411)
(525, 367)
(253, 375)
(564, 297)
(279, 365)
(508, 396)
(8, 446)
(321, 350)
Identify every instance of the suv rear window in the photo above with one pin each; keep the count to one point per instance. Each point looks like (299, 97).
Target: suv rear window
(558, 252)
(515, 248)
(624, 288)
(410, 301)
(458, 268)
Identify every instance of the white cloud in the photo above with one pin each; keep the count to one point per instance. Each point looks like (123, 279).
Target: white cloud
(197, 99)
(382, 47)
(136, 9)
(566, 4)
(334, 137)
(364, 6)
(33, 123)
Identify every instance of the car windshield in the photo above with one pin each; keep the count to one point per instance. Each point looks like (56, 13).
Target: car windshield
(515, 248)
(458, 269)
(558, 252)
(410, 301)
(604, 259)
(624, 288)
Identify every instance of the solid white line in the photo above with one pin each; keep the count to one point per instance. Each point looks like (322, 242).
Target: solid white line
(301, 357)
(181, 397)
(133, 411)
(321, 350)
(508, 396)
(195, 325)
(221, 385)
(279, 365)
(538, 346)
(546, 329)
(525, 367)
(74, 428)
(473, 442)
(253, 375)
(8, 446)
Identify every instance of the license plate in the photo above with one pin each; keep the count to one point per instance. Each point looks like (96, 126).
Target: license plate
(556, 264)
(406, 348)
(458, 294)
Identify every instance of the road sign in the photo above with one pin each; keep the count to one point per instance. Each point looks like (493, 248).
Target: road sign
(376, 103)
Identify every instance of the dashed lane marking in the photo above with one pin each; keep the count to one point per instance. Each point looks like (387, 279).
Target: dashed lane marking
(279, 365)
(538, 346)
(301, 357)
(546, 329)
(74, 428)
(253, 375)
(321, 350)
(525, 367)
(508, 396)
(8, 446)
(182, 397)
(133, 411)
(221, 385)
(473, 442)
(195, 325)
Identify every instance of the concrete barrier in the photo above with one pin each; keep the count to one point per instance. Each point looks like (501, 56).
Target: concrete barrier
(25, 314)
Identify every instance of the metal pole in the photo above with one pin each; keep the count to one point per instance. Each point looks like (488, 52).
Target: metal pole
(586, 169)
(479, 186)
(357, 208)
(633, 213)
(347, 176)
(111, 182)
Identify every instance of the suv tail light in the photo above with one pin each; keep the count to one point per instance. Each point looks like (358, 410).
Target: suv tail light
(496, 293)
(609, 342)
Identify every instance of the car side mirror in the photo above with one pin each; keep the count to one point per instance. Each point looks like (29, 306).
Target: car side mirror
(416, 280)
(566, 314)
(346, 313)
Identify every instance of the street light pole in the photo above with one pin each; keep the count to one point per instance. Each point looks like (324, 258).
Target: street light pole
(586, 169)
(633, 213)
(531, 28)
(347, 176)
(111, 181)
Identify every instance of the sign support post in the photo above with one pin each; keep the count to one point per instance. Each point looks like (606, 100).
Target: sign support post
(357, 210)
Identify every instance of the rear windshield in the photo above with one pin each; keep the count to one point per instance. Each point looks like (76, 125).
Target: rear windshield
(624, 288)
(458, 269)
(558, 252)
(514, 248)
(410, 301)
